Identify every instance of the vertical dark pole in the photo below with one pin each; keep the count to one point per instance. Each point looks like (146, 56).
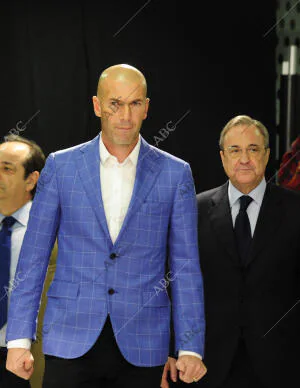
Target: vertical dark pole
(291, 94)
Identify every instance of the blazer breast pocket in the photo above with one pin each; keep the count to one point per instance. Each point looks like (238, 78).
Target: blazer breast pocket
(154, 208)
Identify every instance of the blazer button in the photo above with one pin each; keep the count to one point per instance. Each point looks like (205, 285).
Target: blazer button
(113, 256)
(111, 291)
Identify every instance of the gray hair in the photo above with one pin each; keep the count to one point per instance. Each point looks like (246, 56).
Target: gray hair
(244, 120)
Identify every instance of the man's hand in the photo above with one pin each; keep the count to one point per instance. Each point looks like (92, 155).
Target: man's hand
(170, 367)
(191, 368)
(20, 362)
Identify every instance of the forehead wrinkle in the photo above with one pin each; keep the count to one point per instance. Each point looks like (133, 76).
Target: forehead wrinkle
(127, 97)
(256, 130)
(9, 157)
(138, 85)
(244, 130)
(119, 98)
(13, 158)
(249, 145)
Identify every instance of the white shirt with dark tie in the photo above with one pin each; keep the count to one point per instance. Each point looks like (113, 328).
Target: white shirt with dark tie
(18, 232)
(253, 209)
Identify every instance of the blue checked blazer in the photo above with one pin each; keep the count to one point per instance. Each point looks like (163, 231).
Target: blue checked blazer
(159, 232)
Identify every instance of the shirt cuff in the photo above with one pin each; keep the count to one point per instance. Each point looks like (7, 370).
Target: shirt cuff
(187, 353)
(24, 343)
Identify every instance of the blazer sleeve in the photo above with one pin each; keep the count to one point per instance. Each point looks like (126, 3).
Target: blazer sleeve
(185, 277)
(48, 281)
(37, 346)
(34, 256)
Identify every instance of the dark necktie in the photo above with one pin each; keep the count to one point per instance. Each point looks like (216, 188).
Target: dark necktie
(242, 229)
(5, 253)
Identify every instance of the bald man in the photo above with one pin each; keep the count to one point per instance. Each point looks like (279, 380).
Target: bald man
(116, 205)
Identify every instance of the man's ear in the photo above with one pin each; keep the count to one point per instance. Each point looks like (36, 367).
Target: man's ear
(146, 107)
(97, 108)
(267, 155)
(31, 180)
(222, 156)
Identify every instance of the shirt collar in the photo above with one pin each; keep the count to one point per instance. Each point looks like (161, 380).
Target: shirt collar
(133, 156)
(21, 215)
(257, 194)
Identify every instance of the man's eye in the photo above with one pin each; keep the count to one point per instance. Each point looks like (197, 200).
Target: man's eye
(234, 150)
(253, 150)
(6, 169)
(136, 103)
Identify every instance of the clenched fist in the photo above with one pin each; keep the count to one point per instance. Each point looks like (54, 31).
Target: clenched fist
(191, 368)
(20, 362)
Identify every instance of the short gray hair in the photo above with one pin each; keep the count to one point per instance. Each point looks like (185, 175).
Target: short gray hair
(244, 120)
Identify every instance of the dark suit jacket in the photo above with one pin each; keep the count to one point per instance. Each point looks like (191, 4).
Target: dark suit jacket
(249, 301)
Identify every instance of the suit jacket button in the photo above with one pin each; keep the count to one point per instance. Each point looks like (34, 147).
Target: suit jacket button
(113, 256)
(111, 291)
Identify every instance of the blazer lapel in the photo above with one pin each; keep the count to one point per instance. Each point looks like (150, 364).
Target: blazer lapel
(147, 172)
(88, 163)
(269, 219)
(221, 219)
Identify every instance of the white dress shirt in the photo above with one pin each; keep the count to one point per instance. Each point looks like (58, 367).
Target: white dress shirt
(117, 181)
(18, 232)
(253, 209)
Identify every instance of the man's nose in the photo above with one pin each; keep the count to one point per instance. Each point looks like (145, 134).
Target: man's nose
(244, 157)
(125, 112)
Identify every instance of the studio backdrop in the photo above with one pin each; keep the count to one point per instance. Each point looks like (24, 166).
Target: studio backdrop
(205, 62)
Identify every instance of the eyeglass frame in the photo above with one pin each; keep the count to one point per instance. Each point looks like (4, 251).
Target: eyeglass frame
(240, 151)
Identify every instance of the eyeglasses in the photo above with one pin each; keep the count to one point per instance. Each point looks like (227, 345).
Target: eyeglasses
(253, 152)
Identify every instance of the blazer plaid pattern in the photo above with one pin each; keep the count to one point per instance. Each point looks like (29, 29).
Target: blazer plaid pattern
(95, 277)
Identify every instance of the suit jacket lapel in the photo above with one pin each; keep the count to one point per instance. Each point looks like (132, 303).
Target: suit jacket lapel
(220, 216)
(269, 219)
(147, 172)
(88, 164)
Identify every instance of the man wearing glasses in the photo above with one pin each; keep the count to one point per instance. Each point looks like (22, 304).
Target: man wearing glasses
(249, 233)
(250, 252)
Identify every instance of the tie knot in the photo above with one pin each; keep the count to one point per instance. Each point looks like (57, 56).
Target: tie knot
(8, 222)
(245, 201)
